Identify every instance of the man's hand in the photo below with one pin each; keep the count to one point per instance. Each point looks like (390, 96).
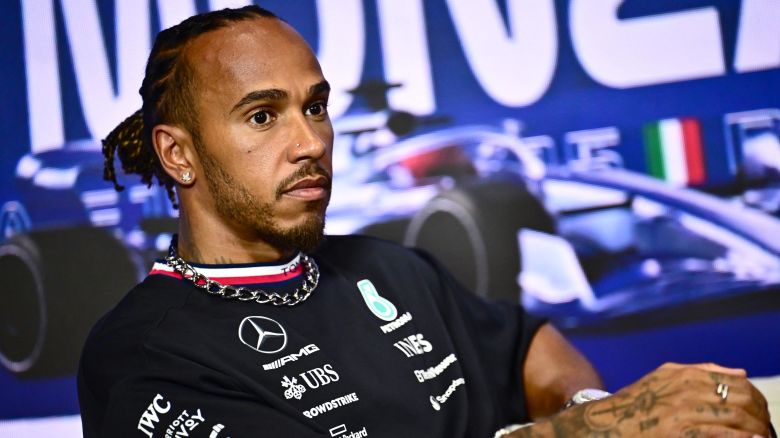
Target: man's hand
(672, 401)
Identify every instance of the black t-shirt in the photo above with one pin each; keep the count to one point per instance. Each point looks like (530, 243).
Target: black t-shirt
(388, 345)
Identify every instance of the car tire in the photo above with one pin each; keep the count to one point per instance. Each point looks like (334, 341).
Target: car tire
(56, 284)
(473, 229)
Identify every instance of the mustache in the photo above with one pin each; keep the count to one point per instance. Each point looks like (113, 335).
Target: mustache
(307, 170)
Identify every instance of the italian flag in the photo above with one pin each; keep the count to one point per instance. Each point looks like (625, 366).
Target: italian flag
(675, 152)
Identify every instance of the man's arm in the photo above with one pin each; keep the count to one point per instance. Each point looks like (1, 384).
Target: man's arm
(554, 370)
(672, 401)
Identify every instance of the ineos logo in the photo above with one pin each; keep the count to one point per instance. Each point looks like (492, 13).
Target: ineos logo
(262, 334)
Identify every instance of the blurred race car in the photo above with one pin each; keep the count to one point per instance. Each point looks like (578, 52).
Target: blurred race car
(585, 243)
(631, 251)
(70, 247)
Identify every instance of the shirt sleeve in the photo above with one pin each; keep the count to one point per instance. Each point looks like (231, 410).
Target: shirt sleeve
(493, 339)
(190, 403)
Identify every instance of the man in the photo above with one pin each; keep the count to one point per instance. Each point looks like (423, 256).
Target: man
(256, 325)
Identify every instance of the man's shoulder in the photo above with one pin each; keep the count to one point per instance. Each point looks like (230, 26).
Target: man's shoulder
(374, 256)
(365, 249)
(360, 243)
(124, 327)
(118, 347)
(148, 299)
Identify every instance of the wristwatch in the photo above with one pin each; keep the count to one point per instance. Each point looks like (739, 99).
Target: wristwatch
(584, 396)
(504, 431)
(580, 397)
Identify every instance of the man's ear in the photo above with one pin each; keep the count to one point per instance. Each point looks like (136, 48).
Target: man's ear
(174, 147)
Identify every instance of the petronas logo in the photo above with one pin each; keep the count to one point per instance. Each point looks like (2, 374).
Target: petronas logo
(379, 306)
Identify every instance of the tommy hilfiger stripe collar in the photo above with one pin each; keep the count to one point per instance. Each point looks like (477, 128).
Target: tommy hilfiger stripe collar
(240, 274)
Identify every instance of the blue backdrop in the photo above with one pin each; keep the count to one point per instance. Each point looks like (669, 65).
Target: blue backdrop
(539, 69)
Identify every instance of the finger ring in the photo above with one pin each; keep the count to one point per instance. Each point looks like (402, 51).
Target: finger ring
(723, 391)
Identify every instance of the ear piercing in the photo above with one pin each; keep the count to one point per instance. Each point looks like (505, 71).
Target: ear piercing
(186, 176)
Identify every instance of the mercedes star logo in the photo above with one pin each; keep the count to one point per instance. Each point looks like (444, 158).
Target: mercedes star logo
(262, 334)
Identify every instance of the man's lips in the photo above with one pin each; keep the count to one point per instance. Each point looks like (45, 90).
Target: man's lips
(310, 188)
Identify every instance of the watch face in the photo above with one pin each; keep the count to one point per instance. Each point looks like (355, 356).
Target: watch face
(589, 394)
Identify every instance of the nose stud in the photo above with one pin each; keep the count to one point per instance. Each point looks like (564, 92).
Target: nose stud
(297, 145)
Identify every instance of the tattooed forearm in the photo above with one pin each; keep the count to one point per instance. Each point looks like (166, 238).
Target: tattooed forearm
(692, 433)
(603, 419)
(648, 424)
(617, 410)
(675, 401)
(573, 423)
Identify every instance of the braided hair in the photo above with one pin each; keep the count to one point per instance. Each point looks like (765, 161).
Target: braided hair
(167, 93)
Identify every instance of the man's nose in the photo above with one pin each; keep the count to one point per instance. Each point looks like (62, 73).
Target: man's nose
(308, 145)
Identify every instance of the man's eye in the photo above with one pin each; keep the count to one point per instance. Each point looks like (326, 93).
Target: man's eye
(317, 109)
(261, 118)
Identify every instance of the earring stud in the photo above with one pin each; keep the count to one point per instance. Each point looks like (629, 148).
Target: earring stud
(186, 176)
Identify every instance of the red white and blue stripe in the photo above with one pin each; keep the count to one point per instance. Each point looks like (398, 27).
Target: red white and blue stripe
(245, 274)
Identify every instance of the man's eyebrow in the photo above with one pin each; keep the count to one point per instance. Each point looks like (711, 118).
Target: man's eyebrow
(319, 88)
(269, 94)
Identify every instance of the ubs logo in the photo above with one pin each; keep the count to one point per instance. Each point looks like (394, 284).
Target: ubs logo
(262, 334)
(314, 378)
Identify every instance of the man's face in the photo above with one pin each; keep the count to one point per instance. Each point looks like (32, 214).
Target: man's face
(264, 137)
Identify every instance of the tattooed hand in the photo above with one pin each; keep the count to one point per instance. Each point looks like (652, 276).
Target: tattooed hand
(672, 401)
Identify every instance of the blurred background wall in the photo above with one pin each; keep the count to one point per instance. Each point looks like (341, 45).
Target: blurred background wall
(612, 165)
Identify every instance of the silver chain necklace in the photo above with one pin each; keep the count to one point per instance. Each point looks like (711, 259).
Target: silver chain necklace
(311, 277)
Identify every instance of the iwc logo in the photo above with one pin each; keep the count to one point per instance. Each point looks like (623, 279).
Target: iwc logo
(262, 334)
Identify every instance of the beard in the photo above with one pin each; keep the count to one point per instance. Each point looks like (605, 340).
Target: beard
(235, 202)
